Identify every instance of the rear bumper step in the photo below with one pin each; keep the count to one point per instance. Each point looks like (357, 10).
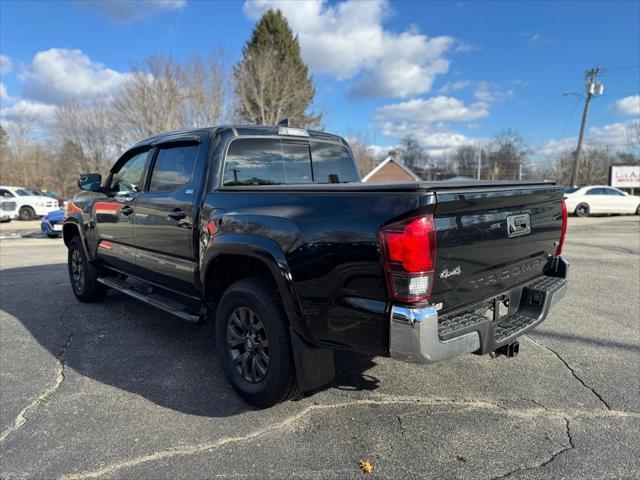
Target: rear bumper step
(421, 336)
(154, 299)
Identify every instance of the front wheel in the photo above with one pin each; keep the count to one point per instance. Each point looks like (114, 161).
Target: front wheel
(27, 213)
(253, 343)
(638, 210)
(582, 210)
(83, 275)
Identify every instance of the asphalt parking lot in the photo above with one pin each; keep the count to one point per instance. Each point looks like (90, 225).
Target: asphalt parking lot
(120, 390)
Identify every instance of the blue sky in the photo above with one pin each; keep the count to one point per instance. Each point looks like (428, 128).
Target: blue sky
(448, 72)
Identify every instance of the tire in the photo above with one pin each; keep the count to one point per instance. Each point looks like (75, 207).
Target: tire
(582, 210)
(53, 235)
(251, 305)
(638, 210)
(27, 213)
(83, 275)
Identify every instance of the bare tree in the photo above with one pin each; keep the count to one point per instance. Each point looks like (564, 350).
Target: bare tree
(466, 161)
(266, 91)
(24, 158)
(507, 154)
(162, 95)
(365, 161)
(92, 128)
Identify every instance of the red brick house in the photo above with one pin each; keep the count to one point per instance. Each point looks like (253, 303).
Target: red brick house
(390, 170)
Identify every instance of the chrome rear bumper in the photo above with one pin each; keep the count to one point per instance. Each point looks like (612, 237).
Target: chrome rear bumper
(415, 334)
(414, 337)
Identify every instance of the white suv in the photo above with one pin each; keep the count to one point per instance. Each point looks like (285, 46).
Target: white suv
(29, 206)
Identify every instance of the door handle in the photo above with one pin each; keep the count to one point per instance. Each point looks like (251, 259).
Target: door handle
(126, 210)
(177, 215)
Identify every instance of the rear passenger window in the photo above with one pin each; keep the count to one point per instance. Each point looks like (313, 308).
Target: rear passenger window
(267, 162)
(278, 161)
(332, 164)
(173, 168)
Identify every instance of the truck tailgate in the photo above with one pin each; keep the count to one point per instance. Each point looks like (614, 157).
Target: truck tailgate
(492, 239)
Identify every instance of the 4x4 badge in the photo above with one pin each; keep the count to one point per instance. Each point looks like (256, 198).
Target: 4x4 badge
(450, 273)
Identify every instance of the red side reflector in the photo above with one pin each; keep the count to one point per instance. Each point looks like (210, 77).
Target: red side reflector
(563, 233)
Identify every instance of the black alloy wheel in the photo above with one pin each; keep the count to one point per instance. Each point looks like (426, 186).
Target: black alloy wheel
(248, 344)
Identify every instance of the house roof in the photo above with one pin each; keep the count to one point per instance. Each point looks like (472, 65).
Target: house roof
(382, 165)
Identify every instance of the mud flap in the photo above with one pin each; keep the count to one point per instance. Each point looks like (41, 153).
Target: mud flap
(315, 366)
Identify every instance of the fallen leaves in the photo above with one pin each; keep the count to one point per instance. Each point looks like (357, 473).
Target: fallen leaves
(366, 466)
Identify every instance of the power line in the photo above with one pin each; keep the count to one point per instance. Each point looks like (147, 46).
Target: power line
(573, 112)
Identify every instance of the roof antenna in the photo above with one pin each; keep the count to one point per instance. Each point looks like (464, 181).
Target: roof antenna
(283, 123)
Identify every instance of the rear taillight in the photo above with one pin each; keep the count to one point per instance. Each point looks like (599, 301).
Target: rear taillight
(564, 229)
(409, 256)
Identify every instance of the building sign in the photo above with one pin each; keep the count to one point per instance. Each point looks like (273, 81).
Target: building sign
(625, 177)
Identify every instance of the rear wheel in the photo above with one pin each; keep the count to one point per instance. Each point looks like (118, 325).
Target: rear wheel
(83, 275)
(253, 343)
(582, 210)
(638, 210)
(27, 213)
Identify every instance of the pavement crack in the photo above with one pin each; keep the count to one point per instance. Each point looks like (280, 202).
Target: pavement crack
(573, 372)
(22, 416)
(565, 448)
(380, 399)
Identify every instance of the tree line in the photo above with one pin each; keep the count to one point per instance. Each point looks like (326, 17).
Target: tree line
(505, 157)
(268, 84)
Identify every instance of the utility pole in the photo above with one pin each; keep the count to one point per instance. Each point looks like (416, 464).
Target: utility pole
(593, 89)
(479, 161)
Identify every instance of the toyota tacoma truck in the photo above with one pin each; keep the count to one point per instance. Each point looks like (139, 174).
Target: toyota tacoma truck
(269, 232)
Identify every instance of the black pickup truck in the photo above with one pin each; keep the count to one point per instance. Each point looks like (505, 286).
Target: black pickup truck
(269, 232)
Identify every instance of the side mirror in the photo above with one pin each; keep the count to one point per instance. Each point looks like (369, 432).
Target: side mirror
(90, 182)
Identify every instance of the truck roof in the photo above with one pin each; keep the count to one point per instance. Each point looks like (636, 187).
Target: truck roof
(241, 130)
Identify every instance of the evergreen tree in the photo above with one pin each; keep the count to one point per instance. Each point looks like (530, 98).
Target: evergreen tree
(271, 81)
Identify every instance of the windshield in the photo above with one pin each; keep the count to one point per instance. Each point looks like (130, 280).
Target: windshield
(22, 192)
(570, 189)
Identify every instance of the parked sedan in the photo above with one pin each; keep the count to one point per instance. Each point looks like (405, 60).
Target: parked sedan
(601, 199)
(51, 223)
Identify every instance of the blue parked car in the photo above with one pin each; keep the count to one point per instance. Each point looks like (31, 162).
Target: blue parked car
(52, 223)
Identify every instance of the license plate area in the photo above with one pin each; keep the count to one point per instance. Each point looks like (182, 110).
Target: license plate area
(503, 306)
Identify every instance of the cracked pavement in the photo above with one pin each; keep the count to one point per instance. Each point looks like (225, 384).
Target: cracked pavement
(120, 390)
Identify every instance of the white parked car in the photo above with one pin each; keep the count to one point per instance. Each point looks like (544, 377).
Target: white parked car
(29, 206)
(598, 199)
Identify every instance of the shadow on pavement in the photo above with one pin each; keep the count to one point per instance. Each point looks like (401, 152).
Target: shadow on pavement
(134, 347)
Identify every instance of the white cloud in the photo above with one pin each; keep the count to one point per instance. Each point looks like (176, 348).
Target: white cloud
(126, 11)
(3, 92)
(428, 120)
(536, 39)
(59, 74)
(554, 146)
(629, 106)
(615, 134)
(619, 135)
(454, 86)
(6, 65)
(348, 39)
(34, 111)
(491, 92)
(432, 110)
